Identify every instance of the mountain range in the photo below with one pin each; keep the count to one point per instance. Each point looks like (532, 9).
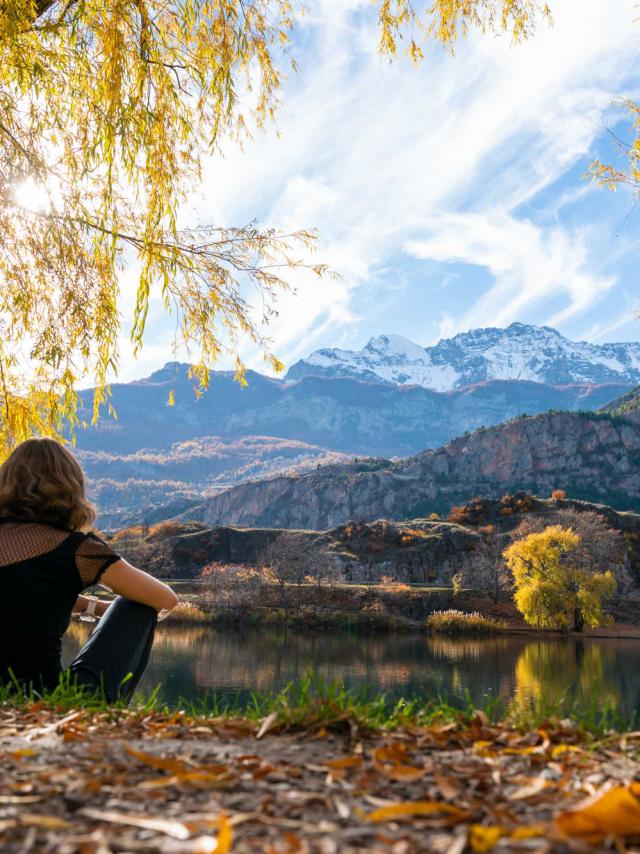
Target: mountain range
(154, 455)
(518, 352)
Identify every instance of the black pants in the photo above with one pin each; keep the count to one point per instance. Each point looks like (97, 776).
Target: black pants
(115, 656)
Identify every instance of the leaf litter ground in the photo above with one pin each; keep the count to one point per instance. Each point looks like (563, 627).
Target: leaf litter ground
(124, 781)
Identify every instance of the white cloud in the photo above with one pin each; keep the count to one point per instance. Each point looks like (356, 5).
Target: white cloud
(437, 159)
(529, 265)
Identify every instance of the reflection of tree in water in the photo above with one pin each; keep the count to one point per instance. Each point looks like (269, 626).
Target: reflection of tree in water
(578, 672)
(465, 649)
(189, 661)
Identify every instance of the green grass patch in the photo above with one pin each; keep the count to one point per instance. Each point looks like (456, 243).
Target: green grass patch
(312, 703)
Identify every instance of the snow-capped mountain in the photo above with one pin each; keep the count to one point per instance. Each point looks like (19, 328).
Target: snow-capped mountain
(519, 352)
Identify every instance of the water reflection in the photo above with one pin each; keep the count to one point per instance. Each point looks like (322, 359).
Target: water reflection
(190, 661)
(585, 671)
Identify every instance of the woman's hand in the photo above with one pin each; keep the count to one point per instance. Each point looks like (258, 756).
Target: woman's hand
(102, 605)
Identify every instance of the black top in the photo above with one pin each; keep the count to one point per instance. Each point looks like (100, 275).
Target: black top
(42, 571)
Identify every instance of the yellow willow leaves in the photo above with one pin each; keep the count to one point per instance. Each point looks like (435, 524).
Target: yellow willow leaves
(108, 113)
(552, 584)
(446, 20)
(611, 177)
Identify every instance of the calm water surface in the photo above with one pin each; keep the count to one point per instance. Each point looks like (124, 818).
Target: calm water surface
(188, 662)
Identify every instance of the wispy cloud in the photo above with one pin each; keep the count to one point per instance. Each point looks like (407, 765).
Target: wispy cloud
(436, 162)
(529, 265)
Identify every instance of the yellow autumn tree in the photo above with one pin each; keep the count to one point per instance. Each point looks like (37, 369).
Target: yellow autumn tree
(553, 589)
(107, 110)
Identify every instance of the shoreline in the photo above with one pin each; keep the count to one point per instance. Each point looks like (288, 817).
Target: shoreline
(378, 609)
(345, 623)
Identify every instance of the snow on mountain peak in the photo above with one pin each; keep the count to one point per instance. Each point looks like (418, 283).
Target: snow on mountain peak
(518, 352)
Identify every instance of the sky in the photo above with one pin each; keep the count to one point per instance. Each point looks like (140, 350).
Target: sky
(447, 196)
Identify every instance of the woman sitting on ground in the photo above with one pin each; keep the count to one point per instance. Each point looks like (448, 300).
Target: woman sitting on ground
(48, 555)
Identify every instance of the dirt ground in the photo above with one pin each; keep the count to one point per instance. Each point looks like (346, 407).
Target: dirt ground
(120, 781)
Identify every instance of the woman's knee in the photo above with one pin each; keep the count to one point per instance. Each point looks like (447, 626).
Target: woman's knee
(128, 609)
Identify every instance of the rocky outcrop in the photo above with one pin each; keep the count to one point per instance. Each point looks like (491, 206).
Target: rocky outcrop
(419, 551)
(591, 456)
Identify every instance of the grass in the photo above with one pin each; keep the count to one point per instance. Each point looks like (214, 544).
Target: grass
(312, 703)
(454, 622)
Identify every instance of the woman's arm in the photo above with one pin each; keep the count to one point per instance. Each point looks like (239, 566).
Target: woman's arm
(132, 583)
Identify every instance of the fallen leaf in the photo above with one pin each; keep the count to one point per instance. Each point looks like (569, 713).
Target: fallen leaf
(21, 799)
(561, 749)
(532, 788)
(529, 831)
(338, 767)
(197, 779)
(344, 762)
(47, 822)
(483, 838)
(162, 763)
(615, 812)
(523, 751)
(387, 760)
(167, 826)
(267, 724)
(21, 754)
(449, 787)
(225, 835)
(46, 730)
(408, 809)
(484, 748)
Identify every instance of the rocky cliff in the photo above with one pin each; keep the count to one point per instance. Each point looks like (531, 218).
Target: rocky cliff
(595, 456)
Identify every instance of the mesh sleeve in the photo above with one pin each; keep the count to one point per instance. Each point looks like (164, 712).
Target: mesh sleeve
(93, 557)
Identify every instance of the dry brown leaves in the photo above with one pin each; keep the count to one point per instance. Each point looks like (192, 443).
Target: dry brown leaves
(124, 781)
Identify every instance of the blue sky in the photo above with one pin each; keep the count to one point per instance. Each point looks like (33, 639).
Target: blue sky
(447, 196)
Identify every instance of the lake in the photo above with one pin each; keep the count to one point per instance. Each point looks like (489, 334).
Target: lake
(190, 661)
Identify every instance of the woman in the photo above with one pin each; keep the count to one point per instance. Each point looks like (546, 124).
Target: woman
(48, 556)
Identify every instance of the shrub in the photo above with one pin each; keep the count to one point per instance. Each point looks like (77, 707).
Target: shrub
(393, 585)
(518, 503)
(458, 514)
(186, 612)
(472, 513)
(163, 529)
(126, 533)
(456, 583)
(454, 622)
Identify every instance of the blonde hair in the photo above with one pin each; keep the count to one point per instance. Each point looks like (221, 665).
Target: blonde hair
(41, 481)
